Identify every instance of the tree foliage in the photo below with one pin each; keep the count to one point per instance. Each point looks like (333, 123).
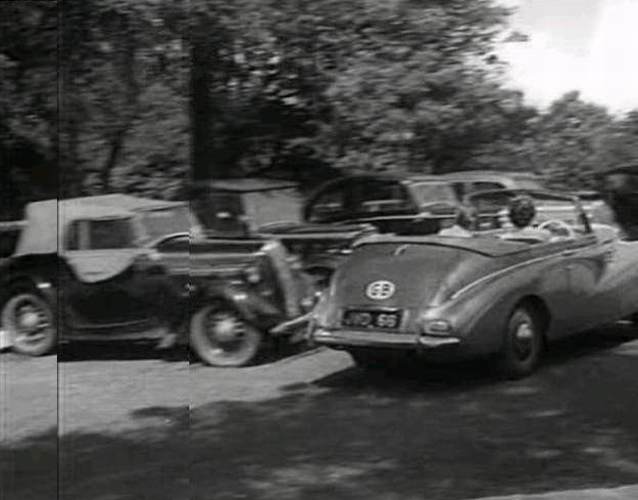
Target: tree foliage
(103, 95)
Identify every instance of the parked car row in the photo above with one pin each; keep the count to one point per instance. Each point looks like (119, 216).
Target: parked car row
(502, 290)
(244, 263)
(350, 206)
(118, 267)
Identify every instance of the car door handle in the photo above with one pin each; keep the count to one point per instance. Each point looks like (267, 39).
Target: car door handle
(568, 253)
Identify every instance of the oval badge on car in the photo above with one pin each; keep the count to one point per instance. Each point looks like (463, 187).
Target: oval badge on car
(380, 290)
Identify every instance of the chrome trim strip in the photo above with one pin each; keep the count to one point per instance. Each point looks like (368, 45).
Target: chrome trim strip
(371, 338)
(501, 272)
(432, 342)
(381, 339)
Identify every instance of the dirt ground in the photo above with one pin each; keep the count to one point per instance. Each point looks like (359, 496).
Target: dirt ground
(129, 423)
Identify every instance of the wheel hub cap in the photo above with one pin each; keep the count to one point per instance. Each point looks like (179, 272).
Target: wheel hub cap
(226, 330)
(524, 332)
(29, 320)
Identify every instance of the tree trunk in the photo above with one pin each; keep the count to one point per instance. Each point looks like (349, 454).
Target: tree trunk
(201, 106)
(115, 147)
(129, 77)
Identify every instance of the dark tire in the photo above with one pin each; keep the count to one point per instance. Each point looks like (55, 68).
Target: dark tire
(522, 345)
(30, 323)
(220, 336)
(370, 359)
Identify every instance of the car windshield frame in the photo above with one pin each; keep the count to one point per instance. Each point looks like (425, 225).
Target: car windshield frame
(420, 199)
(536, 195)
(151, 233)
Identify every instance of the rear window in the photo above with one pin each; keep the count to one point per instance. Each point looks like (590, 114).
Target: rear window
(380, 197)
(434, 192)
(166, 221)
(109, 234)
(221, 213)
(273, 206)
(329, 205)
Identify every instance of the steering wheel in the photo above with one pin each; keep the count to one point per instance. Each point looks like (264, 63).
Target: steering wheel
(558, 228)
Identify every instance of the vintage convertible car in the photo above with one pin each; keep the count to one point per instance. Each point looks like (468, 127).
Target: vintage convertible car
(505, 289)
(118, 267)
(272, 209)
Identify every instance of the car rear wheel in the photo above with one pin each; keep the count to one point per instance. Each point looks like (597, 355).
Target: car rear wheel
(220, 336)
(522, 345)
(30, 323)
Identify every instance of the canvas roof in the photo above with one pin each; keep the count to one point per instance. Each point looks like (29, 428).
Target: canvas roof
(248, 184)
(47, 220)
(123, 201)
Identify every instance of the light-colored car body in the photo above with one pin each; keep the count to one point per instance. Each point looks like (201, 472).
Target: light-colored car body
(452, 297)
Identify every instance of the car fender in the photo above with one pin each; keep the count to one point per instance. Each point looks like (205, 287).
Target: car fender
(253, 308)
(37, 279)
(483, 313)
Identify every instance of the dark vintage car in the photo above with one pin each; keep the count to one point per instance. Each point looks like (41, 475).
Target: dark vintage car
(272, 209)
(621, 186)
(505, 289)
(468, 182)
(118, 267)
(398, 204)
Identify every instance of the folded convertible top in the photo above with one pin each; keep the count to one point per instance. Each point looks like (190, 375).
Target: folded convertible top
(483, 245)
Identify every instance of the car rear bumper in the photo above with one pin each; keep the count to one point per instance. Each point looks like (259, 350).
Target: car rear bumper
(372, 338)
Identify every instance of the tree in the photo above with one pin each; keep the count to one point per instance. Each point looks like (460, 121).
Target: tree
(397, 84)
(28, 102)
(619, 146)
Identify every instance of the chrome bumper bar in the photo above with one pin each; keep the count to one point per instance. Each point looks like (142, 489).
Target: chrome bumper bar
(380, 339)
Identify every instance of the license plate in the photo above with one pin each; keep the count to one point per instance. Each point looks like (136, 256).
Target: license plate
(382, 320)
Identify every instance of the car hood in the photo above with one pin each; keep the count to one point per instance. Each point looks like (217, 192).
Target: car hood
(423, 275)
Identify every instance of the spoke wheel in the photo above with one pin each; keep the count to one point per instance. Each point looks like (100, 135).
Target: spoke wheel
(220, 336)
(30, 322)
(522, 345)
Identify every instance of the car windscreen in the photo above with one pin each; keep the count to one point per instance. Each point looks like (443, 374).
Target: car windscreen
(273, 206)
(165, 221)
(434, 192)
(491, 209)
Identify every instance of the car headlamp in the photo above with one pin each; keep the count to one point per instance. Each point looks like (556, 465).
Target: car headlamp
(252, 275)
(439, 327)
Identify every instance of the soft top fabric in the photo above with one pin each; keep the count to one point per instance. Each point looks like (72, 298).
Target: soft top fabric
(48, 221)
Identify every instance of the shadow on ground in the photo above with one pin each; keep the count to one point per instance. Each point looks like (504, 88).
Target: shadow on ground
(114, 351)
(132, 351)
(441, 433)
